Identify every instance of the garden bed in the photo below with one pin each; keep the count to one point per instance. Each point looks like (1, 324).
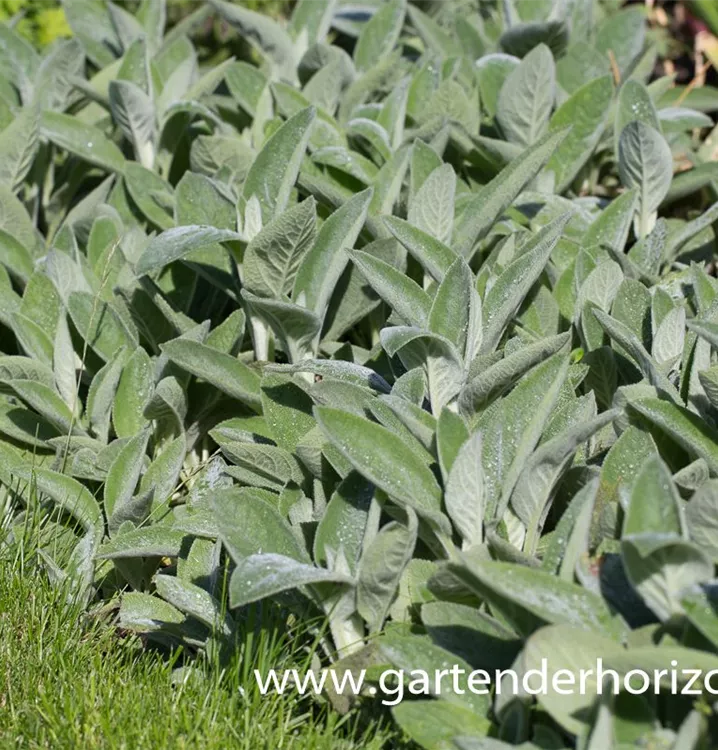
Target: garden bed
(371, 337)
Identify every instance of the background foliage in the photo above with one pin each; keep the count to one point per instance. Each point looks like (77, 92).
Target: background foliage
(43, 21)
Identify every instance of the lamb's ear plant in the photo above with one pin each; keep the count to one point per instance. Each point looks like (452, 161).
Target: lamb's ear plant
(402, 323)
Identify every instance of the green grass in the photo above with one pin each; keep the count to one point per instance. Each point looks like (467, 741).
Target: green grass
(69, 680)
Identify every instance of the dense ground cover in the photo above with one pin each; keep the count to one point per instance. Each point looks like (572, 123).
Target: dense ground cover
(390, 344)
